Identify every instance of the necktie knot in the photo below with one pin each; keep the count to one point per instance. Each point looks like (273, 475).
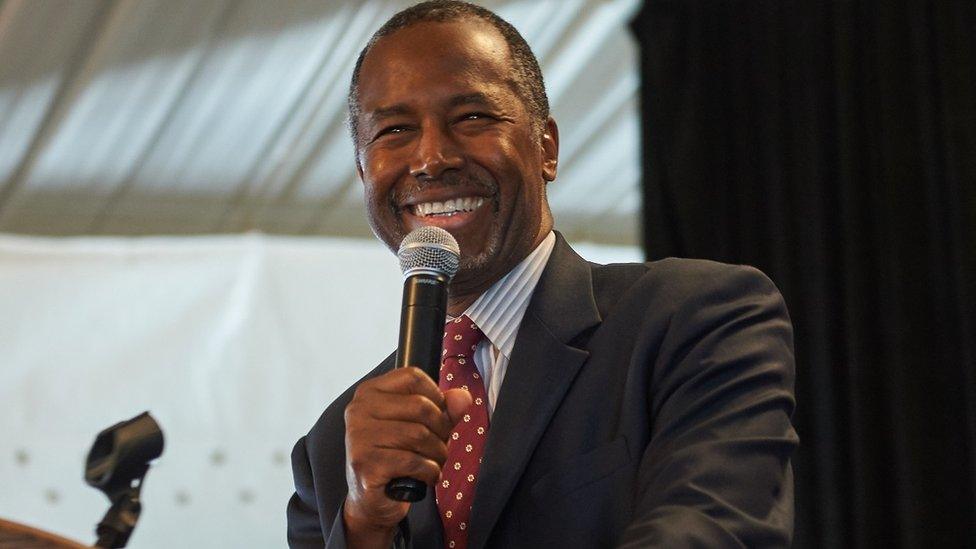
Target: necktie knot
(461, 337)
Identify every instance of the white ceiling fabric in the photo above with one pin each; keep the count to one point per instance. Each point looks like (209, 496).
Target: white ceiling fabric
(180, 117)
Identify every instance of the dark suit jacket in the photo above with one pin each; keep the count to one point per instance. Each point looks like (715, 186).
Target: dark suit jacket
(645, 405)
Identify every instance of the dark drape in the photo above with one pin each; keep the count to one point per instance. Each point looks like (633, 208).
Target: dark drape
(833, 145)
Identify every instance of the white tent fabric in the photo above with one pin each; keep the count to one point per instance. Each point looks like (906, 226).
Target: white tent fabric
(223, 116)
(234, 343)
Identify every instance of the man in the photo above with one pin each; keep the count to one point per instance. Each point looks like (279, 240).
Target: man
(634, 405)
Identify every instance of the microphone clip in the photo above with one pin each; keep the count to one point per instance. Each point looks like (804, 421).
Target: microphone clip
(117, 465)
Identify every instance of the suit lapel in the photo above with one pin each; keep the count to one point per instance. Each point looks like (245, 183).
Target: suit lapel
(541, 370)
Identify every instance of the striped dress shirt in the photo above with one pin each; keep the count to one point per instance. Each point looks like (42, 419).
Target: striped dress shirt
(499, 311)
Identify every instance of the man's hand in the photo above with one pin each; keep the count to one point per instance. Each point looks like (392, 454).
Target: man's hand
(397, 425)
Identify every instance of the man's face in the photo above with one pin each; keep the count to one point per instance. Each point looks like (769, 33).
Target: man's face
(445, 140)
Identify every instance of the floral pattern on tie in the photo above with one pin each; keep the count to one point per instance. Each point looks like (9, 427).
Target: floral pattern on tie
(459, 477)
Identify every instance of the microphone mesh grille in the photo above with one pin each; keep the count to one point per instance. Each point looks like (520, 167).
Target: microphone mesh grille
(429, 248)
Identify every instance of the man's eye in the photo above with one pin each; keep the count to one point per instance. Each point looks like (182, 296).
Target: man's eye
(392, 130)
(475, 116)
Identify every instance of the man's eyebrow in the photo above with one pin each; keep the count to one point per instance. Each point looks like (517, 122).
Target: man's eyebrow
(400, 109)
(469, 98)
(386, 112)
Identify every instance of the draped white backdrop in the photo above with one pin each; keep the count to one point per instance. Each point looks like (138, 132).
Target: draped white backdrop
(235, 344)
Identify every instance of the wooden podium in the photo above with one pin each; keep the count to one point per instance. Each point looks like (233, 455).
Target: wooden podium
(19, 536)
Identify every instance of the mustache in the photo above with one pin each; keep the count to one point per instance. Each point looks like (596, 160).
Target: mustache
(483, 186)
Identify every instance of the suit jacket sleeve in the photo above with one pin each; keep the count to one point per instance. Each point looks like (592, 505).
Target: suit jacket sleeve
(315, 509)
(304, 530)
(716, 472)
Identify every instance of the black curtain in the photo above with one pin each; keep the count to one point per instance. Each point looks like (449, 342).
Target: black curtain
(832, 144)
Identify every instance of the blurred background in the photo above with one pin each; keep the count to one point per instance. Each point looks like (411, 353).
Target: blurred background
(183, 232)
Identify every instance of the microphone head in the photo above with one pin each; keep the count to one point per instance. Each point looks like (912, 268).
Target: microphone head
(429, 249)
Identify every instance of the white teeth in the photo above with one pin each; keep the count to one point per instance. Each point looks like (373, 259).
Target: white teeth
(449, 207)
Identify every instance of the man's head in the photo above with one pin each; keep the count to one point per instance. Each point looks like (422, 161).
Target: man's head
(526, 75)
(451, 128)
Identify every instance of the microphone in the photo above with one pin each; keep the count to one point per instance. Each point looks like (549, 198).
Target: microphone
(429, 258)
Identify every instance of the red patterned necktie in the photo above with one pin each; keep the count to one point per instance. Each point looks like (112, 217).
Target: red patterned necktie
(459, 477)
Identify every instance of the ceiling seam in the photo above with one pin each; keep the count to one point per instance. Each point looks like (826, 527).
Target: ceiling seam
(238, 200)
(61, 103)
(122, 189)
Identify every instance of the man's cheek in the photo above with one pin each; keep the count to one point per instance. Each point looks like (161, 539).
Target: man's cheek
(378, 208)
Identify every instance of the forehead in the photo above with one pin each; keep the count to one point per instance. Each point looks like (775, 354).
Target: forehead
(429, 58)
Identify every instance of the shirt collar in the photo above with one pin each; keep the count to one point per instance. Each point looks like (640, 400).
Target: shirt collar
(499, 311)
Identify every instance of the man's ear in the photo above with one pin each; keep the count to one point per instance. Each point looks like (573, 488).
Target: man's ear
(359, 164)
(550, 150)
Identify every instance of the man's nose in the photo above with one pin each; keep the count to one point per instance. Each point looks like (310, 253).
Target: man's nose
(437, 152)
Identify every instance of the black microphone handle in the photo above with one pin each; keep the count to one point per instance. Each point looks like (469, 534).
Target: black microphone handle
(422, 319)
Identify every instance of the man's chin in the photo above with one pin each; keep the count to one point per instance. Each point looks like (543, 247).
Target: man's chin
(469, 265)
(474, 265)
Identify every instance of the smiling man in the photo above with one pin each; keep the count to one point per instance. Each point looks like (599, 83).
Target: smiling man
(579, 405)
(445, 137)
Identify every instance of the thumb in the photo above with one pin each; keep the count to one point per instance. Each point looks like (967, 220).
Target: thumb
(458, 402)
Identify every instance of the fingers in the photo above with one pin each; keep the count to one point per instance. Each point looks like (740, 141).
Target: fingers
(406, 395)
(408, 381)
(411, 408)
(458, 401)
(406, 436)
(375, 468)
(397, 426)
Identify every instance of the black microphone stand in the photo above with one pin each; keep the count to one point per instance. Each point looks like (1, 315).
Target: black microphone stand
(117, 524)
(117, 465)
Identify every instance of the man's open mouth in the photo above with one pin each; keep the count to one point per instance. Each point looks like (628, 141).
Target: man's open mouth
(447, 208)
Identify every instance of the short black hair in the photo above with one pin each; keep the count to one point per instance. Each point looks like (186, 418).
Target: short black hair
(525, 67)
